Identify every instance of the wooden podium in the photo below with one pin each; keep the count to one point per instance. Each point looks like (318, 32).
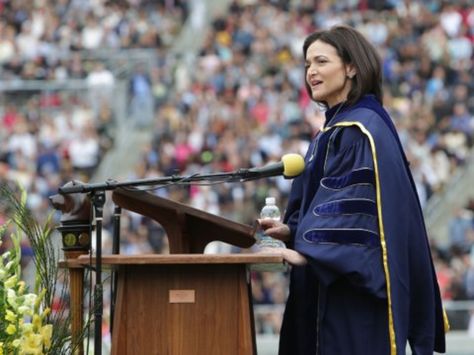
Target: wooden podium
(184, 303)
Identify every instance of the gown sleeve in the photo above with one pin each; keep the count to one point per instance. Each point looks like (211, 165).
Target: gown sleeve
(292, 212)
(339, 231)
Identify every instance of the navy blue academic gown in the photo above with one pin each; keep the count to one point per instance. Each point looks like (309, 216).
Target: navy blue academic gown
(369, 286)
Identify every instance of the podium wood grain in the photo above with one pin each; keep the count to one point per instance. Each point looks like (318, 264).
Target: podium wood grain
(210, 314)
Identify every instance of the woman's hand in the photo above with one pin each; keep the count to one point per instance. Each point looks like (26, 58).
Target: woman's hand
(275, 229)
(281, 231)
(291, 256)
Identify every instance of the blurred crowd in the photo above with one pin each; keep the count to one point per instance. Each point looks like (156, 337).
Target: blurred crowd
(45, 39)
(454, 264)
(239, 102)
(51, 136)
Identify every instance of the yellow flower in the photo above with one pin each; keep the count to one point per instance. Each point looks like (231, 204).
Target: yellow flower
(32, 344)
(46, 311)
(21, 287)
(11, 297)
(11, 329)
(30, 299)
(24, 310)
(40, 297)
(27, 328)
(10, 316)
(11, 281)
(36, 321)
(47, 333)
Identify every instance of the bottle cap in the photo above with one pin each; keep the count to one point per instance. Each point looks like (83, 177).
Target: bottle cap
(270, 201)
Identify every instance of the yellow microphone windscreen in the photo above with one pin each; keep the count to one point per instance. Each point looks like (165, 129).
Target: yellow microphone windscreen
(293, 165)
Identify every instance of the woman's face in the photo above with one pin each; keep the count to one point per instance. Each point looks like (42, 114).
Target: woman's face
(326, 74)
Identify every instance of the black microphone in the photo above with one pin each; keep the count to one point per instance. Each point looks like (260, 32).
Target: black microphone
(290, 166)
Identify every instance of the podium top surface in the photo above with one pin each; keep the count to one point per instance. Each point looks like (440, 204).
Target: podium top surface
(157, 259)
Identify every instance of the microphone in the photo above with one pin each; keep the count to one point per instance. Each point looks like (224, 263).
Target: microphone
(290, 166)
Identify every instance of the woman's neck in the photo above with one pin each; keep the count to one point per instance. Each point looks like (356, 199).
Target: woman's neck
(333, 111)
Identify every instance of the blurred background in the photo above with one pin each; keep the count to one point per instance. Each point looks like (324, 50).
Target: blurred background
(133, 89)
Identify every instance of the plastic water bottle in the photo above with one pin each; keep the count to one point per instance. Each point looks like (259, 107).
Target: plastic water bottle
(270, 211)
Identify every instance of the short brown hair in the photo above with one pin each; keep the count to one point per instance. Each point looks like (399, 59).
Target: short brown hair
(353, 48)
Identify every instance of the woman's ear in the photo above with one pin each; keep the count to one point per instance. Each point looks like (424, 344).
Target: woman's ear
(350, 71)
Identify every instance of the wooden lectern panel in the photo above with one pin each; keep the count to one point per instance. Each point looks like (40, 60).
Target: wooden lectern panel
(183, 309)
(184, 304)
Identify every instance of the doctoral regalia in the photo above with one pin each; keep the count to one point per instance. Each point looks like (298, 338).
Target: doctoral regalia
(369, 286)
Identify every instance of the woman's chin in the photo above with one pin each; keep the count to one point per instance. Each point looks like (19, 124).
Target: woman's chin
(318, 97)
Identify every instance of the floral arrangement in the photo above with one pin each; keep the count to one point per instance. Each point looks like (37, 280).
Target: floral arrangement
(27, 324)
(23, 330)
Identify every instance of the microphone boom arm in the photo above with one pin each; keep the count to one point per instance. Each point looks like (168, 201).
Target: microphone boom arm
(290, 166)
(79, 187)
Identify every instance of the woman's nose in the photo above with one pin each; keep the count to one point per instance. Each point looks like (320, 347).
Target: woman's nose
(312, 72)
